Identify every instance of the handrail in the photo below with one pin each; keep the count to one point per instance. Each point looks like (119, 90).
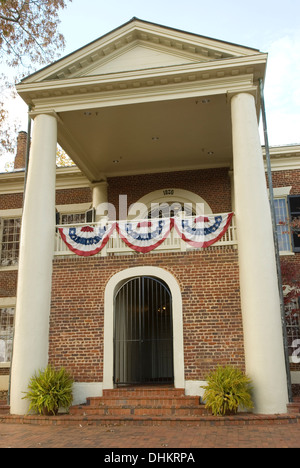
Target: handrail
(116, 246)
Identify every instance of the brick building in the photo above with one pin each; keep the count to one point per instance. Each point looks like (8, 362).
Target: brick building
(162, 126)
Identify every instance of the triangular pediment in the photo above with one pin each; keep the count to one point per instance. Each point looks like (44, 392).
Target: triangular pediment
(139, 45)
(138, 57)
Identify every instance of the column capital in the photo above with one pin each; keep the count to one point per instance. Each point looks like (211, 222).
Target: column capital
(33, 114)
(252, 91)
(101, 183)
(100, 198)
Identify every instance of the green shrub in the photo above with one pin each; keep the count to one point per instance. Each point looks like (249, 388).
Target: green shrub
(227, 389)
(50, 389)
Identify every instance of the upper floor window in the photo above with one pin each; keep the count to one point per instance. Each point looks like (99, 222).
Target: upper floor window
(10, 229)
(282, 221)
(72, 218)
(169, 210)
(294, 206)
(287, 212)
(75, 214)
(6, 333)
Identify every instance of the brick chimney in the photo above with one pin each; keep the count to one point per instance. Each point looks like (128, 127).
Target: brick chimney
(20, 158)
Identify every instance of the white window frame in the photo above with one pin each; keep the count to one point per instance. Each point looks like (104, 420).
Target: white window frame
(168, 196)
(73, 209)
(8, 214)
(283, 193)
(7, 303)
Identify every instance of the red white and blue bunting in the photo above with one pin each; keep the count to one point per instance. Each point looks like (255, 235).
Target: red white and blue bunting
(144, 236)
(203, 231)
(147, 235)
(87, 240)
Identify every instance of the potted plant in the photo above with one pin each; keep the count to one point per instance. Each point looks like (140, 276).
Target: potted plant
(227, 389)
(50, 389)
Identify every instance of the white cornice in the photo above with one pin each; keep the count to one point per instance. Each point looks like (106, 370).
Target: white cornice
(285, 164)
(66, 178)
(130, 81)
(152, 92)
(284, 151)
(283, 158)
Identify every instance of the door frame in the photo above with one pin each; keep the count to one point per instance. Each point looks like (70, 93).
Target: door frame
(112, 286)
(135, 371)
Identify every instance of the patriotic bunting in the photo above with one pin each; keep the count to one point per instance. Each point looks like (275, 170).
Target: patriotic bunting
(203, 231)
(147, 235)
(86, 241)
(144, 236)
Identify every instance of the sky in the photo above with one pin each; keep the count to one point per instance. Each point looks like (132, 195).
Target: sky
(272, 26)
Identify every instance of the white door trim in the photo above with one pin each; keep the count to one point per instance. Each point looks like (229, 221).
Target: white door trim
(110, 290)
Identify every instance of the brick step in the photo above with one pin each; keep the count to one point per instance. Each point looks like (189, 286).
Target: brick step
(124, 410)
(75, 420)
(144, 392)
(294, 408)
(4, 407)
(142, 401)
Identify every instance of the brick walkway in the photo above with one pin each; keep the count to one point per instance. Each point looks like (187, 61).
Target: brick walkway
(163, 438)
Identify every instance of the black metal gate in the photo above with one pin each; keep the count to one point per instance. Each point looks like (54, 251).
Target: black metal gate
(143, 333)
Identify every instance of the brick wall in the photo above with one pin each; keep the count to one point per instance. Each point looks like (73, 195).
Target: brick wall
(63, 197)
(11, 201)
(213, 185)
(287, 179)
(8, 283)
(73, 196)
(211, 312)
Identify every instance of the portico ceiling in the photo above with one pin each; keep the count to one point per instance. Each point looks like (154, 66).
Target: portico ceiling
(145, 98)
(155, 136)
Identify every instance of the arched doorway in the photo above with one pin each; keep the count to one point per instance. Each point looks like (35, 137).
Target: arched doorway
(143, 332)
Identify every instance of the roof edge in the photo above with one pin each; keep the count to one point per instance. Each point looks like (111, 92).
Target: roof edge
(132, 20)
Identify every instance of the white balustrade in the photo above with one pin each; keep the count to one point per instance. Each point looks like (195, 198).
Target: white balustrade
(116, 246)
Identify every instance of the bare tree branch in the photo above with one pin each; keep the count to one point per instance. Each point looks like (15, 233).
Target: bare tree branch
(29, 37)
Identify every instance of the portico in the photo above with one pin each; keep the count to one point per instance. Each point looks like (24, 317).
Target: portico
(147, 99)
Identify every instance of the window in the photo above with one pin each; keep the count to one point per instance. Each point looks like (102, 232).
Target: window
(169, 210)
(73, 218)
(169, 202)
(6, 333)
(294, 206)
(10, 241)
(292, 313)
(283, 233)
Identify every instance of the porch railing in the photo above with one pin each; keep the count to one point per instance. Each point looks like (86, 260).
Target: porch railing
(116, 246)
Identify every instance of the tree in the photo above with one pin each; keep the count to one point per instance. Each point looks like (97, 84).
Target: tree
(29, 31)
(62, 159)
(29, 37)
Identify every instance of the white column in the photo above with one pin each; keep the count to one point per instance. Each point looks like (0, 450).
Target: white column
(100, 199)
(264, 349)
(30, 351)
